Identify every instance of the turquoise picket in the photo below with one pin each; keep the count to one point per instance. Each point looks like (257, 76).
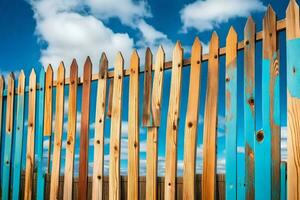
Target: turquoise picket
(18, 145)
(8, 140)
(283, 181)
(231, 115)
(40, 136)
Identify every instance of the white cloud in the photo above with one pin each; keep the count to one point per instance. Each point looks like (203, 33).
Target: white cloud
(70, 31)
(208, 14)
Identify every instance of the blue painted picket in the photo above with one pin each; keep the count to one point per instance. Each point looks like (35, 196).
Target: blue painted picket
(40, 136)
(18, 139)
(231, 115)
(8, 139)
(283, 181)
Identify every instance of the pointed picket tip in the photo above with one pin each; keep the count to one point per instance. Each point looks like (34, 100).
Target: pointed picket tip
(134, 54)
(214, 35)
(119, 57)
(148, 51)
(178, 44)
(49, 69)
(214, 41)
(134, 60)
(231, 35)
(197, 46)
(250, 23)
(11, 76)
(1, 79)
(74, 65)
(293, 5)
(61, 65)
(177, 48)
(270, 11)
(197, 42)
(21, 75)
(103, 57)
(88, 60)
(160, 50)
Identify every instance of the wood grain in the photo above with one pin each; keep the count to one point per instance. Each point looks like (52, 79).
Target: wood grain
(293, 100)
(191, 124)
(231, 115)
(30, 156)
(133, 128)
(152, 134)
(10, 104)
(19, 137)
(59, 118)
(98, 172)
(110, 96)
(249, 106)
(114, 152)
(71, 133)
(48, 102)
(85, 127)
(147, 115)
(210, 121)
(173, 123)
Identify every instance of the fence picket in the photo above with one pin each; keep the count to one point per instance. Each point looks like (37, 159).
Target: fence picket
(98, 173)
(133, 128)
(115, 130)
(110, 96)
(151, 162)
(54, 185)
(210, 122)
(48, 111)
(267, 145)
(293, 99)
(2, 87)
(84, 132)
(30, 156)
(231, 114)
(40, 136)
(191, 124)
(147, 115)
(173, 123)
(18, 139)
(249, 105)
(8, 137)
(71, 135)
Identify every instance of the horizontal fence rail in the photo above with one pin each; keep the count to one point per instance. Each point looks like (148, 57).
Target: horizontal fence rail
(34, 115)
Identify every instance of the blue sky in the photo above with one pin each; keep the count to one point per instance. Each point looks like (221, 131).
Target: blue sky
(37, 33)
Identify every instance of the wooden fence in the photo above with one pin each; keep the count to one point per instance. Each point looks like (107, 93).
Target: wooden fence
(265, 174)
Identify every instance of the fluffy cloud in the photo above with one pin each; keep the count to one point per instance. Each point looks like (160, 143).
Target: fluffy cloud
(208, 14)
(76, 29)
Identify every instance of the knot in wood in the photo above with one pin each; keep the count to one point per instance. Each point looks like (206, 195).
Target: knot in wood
(260, 136)
(190, 124)
(98, 141)
(99, 177)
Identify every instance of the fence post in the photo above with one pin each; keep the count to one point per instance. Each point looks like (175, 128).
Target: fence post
(210, 121)
(249, 106)
(293, 100)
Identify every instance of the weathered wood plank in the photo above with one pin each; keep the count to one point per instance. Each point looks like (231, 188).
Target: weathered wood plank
(98, 173)
(30, 156)
(173, 123)
(293, 100)
(18, 137)
(84, 132)
(210, 121)
(71, 133)
(133, 128)
(231, 114)
(40, 137)
(267, 145)
(151, 168)
(115, 130)
(191, 124)
(147, 115)
(8, 137)
(59, 118)
(249, 106)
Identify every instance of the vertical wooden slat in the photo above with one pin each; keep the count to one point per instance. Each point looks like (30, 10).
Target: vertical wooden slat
(18, 137)
(249, 105)
(151, 168)
(210, 121)
(267, 145)
(30, 156)
(173, 123)
(147, 115)
(133, 128)
(48, 111)
(191, 124)
(8, 137)
(84, 132)
(71, 135)
(231, 114)
(40, 136)
(110, 96)
(98, 173)
(115, 130)
(293, 100)
(59, 118)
